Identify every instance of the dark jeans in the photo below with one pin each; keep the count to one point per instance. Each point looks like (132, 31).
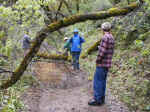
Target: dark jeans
(75, 58)
(100, 77)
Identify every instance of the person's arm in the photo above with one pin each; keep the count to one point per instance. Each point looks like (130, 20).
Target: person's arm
(70, 40)
(29, 39)
(82, 40)
(102, 50)
(66, 45)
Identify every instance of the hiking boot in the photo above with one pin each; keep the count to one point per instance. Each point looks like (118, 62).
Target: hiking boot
(95, 103)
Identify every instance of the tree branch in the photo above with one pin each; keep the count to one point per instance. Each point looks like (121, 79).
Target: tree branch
(60, 5)
(41, 35)
(52, 56)
(68, 7)
(94, 47)
(5, 71)
(91, 49)
(3, 56)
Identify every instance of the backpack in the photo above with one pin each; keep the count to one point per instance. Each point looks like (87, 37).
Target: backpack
(76, 44)
(79, 37)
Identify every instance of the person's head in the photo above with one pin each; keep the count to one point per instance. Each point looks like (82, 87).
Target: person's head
(106, 27)
(65, 39)
(75, 31)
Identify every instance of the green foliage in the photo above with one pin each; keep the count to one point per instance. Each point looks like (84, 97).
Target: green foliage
(3, 62)
(115, 1)
(144, 36)
(10, 98)
(146, 52)
(2, 34)
(138, 44)
(128, 82)
(102, 4)
(13, 105)
(7, 49)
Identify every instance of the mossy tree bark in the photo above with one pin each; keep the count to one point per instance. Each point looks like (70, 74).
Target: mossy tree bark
(91, 49)
(41, 35)
(52, 56)
(94, 47)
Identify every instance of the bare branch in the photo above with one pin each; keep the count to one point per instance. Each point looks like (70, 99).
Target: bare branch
(5, 71)
(59, 8)
(68, 7)
(3, 56)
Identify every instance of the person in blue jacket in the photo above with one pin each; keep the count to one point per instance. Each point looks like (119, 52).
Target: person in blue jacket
(76, 48)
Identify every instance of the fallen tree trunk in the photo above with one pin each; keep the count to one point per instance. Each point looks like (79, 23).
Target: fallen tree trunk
(52, 56)
(41, 35)
(91, 49)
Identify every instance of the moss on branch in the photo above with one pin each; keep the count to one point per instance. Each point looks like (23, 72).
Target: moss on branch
(94, 47)
(52, 56)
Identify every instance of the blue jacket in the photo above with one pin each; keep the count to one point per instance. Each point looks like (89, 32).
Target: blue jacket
(76, 42)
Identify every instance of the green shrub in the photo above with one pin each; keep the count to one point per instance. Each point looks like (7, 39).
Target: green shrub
(144, 36)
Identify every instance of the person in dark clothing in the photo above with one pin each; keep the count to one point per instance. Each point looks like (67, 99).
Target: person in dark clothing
(103, 63)
(76, 48)
(26, 44)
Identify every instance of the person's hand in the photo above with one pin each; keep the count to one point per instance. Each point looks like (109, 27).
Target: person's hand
(97, 61)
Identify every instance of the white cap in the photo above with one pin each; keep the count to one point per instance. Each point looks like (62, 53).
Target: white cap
(106, 26)
(66, 38)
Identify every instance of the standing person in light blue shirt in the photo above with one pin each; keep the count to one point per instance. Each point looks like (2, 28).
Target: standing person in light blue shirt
(76, 48)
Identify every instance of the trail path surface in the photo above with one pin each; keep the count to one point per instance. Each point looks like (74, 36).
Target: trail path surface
(61, 90)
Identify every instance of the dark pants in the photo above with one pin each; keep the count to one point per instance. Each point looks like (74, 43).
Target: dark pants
(100, 77)
(66, 53)
(75, 58)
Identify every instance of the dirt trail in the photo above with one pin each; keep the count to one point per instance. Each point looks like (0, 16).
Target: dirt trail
(63, 91)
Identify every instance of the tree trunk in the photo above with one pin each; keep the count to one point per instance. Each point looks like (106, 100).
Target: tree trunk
(52, 56)
(41, 35)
